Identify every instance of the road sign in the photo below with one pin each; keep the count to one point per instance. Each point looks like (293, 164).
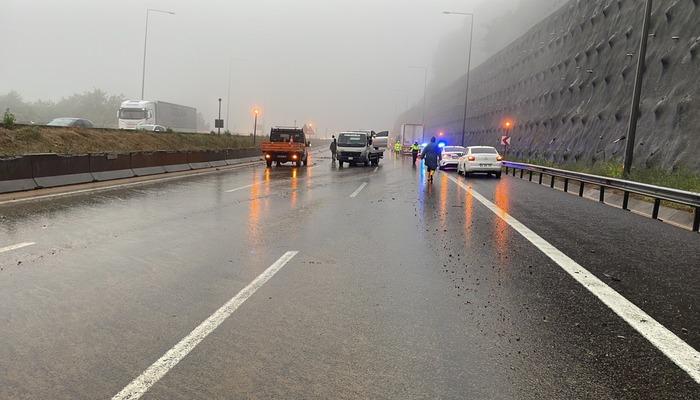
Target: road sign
(505, 140)
(218, 123)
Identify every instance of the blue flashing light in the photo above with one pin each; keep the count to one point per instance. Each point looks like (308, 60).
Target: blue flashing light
(442, 144)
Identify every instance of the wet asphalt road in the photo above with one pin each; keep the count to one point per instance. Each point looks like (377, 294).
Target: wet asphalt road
(404, 291)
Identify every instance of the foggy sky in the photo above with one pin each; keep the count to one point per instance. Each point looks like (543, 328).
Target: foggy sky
(341, 64)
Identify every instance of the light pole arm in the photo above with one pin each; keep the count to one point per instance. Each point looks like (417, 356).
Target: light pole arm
(145, 43)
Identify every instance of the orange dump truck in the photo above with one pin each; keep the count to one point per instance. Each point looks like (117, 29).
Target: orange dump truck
(286, 145)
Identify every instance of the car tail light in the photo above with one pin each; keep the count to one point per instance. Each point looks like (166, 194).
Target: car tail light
(499, 158)
(294, 157)
(267, 156)
(471, 158)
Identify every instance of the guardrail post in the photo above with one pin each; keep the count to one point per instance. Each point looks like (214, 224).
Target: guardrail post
(601, 196)
(506, 170)
(566, 185)
(626, 201)
(655, 211)
(696, 220)
(580, 189)
(540, 178)
(530, 176)
(522, 171)
(551, 183)
(513, 171)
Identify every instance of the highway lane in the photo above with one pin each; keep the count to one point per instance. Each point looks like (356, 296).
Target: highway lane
(400, 291)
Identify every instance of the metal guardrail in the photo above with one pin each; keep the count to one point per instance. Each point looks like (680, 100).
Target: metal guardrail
(658, 193)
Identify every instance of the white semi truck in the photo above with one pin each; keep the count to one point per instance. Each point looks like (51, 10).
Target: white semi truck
(133, 113)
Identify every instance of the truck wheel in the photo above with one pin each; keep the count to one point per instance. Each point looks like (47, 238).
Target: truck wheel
(269, 163)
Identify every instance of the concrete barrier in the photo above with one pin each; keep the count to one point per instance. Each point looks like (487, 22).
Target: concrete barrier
(217, 158)
(233, 156)
(198, 159)
(174, 161)
(108, 166)
(51, 170)
(16, 174)
(143, 164)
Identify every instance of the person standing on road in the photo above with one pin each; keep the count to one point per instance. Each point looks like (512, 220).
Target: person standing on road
(432, 154)
(415, 149)
(334, 148)
(397, 147)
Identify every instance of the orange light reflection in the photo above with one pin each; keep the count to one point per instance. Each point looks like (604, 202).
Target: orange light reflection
(502, 200)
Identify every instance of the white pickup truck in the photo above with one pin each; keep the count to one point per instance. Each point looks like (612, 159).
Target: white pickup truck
(357, 148)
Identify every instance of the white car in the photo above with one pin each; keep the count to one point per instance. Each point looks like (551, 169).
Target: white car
(151, 128)
(482, 159)
(451, 156)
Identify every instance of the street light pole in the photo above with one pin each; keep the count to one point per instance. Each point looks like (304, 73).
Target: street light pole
(228, 96)
(425, 95)
(145, 43)
(637, 94)
(255, 125)
(469, 67)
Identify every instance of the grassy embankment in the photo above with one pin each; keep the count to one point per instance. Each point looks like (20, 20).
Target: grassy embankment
(38, 139)
(680, 179)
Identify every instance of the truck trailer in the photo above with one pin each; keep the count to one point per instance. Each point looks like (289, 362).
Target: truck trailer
(179, 118)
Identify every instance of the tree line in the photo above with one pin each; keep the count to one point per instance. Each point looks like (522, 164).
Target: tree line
(96, 105)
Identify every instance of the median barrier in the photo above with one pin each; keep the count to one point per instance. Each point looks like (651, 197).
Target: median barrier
(173, 161)
(233, 156)
(108, 166)
(144, 163)
(51, 170)
(217, 158)
(16, 174)
(198, 159)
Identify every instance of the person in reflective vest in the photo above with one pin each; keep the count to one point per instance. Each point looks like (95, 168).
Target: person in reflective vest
(397, 147)
(415, 149)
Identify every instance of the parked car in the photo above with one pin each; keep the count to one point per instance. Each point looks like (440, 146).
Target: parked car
(151, 128)
(482, 159)
(451, 156)
(71, 122)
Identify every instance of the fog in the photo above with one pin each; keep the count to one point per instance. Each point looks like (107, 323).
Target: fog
(338, 64)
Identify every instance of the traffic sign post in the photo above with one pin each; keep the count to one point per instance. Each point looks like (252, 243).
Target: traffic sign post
(219, 123)
(505, 141)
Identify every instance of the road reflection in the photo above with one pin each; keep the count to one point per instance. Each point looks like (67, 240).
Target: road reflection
(442, 211)
(468, 216)
(294, 187)
(258, 193)
(502, 200)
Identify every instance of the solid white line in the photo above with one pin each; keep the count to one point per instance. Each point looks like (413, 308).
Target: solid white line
(240, 188)
(16, 246)
(358, 190)
(158, 369)
(682, 354)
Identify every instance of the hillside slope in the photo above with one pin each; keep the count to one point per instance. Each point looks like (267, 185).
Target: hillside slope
(567, 84)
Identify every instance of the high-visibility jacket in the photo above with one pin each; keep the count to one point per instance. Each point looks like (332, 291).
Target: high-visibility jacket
(415, 147)
(397, 146)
